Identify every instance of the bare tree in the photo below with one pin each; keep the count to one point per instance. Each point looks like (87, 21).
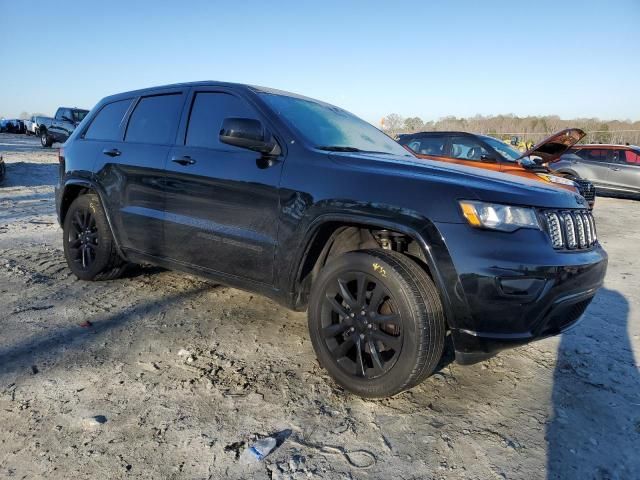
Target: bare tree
(527, 129)
(413, 124)
(392, 123)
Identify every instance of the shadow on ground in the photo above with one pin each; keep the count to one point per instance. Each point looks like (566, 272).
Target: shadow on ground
(595, 387)
(28, 174)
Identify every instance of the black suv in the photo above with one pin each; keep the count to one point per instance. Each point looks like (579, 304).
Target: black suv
(307, 204)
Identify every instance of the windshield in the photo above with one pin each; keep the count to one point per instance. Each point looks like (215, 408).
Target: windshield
(508, 153)
(331, 128)
(78, 115)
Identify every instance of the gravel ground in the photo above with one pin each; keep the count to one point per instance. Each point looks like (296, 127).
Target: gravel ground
(164, 375)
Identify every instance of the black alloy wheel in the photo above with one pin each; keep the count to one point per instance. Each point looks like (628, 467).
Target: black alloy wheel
(361, 330)
(89, 246)
(376, 322)
(83, 238)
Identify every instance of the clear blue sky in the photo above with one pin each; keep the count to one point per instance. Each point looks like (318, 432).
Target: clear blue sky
(427, 58)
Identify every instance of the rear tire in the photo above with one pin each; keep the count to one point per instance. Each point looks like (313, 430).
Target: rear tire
(89, 247)
(376, 322)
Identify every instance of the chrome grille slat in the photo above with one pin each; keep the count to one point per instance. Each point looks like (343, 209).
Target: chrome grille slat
(570, 229)
(582, 237)
(587, 228)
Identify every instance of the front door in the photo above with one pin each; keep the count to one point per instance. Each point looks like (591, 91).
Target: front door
(221, 201)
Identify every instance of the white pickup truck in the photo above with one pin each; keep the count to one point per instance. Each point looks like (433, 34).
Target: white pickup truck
(32, 125)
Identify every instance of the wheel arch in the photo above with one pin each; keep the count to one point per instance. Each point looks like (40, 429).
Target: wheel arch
(568, 171)
(72, 189)
(325, 232)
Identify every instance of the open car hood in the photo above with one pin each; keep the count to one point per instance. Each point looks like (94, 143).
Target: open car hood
(550, 149)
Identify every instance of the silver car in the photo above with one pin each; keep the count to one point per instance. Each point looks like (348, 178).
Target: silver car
(611, 168)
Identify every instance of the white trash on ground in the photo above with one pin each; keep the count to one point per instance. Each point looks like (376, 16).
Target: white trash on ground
(257, 451)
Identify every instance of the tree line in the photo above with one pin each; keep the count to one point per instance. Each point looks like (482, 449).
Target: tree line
(530, 128)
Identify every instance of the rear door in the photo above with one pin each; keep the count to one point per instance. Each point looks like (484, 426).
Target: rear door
(595, 165)
(131, 171)
(222, 202)
(625, 170)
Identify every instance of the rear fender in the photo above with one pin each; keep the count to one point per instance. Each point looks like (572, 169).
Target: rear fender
(90, 185)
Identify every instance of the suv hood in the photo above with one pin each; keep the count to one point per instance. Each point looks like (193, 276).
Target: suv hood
(550, 149)
(460, 181)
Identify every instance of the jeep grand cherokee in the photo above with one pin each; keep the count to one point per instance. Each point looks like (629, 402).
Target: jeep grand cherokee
(307, 204)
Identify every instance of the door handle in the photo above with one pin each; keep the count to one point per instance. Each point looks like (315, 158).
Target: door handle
(114, 152)
(184, 161)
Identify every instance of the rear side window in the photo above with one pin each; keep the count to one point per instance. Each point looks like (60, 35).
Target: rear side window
(155, 119)
(428, 146)
(207, 113)
(106, 125)
(594, 155)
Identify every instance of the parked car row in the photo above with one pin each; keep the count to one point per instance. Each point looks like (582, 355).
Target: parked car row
(50, 130)
(12, 125)
(391, 254)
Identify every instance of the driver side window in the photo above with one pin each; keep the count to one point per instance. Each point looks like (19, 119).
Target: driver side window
(465, 148)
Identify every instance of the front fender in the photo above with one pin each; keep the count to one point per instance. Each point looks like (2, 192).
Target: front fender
(420, 229)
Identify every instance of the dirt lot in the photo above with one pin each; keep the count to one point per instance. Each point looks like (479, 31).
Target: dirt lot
(163, 375)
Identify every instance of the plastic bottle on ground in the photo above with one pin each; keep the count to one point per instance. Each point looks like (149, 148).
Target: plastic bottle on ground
(257, 451)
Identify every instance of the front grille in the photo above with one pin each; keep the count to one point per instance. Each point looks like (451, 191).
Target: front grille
(570, 229)
(586, 189)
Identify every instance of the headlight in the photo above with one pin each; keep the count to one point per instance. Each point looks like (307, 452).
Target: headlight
(556, 179)
(505, 218)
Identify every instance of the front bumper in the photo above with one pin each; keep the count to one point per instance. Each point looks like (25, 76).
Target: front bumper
(513, 288)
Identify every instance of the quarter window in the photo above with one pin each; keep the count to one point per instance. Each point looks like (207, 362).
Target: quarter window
(106, 124)
(155, 119)
(207, 113)
(631, 157)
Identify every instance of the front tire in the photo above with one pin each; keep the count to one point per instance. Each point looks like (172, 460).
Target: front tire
(376, 322)
(89, 247)
(45, 140)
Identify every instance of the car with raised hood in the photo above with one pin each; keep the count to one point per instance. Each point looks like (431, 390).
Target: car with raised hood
(301, 201)
(613, 169)
(488, 153)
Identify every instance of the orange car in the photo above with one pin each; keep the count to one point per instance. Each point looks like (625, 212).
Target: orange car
(486, 152)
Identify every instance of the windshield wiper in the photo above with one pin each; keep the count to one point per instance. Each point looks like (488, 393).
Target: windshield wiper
(340, 148)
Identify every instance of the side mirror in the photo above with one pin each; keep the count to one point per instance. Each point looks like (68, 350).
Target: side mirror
(250, 134)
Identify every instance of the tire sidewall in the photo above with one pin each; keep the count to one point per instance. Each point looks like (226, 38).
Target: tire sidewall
(400, 290)
(105, 240)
